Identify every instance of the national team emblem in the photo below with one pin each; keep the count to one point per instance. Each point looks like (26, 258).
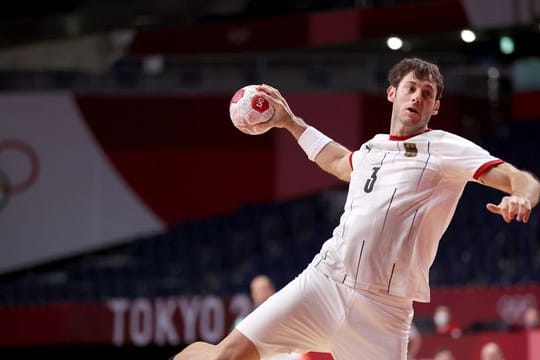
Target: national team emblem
(410, 149)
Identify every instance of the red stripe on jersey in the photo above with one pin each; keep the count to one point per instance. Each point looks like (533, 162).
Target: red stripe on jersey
(401, 138)
(482, 169)
(350, 160)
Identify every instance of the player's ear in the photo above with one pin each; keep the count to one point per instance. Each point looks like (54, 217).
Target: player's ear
(436, 107)
(391, 93)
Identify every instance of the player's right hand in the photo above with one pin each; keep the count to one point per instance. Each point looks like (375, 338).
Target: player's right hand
(283, 115)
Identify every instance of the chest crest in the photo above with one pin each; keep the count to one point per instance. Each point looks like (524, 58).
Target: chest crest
(410, 149)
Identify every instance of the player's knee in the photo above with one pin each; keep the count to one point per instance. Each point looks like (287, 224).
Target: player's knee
(197, 350)
(225, 352)
(235, 346)
(229, 351)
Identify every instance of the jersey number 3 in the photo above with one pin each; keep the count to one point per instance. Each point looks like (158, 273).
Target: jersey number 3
(368, 187)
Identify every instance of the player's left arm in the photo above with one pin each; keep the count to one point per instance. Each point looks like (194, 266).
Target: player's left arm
(522, 187)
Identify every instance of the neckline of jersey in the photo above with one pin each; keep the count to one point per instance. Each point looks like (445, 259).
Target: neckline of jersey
(401, 138)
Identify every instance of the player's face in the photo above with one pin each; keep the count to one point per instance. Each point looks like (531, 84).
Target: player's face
(414, 102)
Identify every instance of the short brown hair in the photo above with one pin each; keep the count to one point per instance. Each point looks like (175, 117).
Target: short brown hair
(422, 70)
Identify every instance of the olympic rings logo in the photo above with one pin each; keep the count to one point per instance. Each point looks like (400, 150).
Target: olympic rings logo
(8, 149)
(512, 307)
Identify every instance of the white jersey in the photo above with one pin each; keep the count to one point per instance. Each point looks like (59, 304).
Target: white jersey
(292, 356)
(402, 195)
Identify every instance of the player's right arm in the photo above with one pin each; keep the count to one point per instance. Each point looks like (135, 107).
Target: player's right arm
(334, 159)
(331, 156)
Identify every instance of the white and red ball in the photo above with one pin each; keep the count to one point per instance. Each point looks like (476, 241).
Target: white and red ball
(248, 108)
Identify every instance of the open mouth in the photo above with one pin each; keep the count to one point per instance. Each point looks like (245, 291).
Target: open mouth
(413, 110)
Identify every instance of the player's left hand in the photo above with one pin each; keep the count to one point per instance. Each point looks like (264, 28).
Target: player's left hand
(512, 207)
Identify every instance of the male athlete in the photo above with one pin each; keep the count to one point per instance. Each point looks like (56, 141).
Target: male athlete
(355, 300)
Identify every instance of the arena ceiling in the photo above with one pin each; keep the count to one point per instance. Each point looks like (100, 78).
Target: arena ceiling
(24, 22)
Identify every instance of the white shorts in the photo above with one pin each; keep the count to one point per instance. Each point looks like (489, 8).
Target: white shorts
(315, 313)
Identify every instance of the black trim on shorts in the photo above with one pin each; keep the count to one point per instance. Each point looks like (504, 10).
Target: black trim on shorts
(391, 274)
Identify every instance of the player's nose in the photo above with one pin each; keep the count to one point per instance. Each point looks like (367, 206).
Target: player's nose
(416, 97)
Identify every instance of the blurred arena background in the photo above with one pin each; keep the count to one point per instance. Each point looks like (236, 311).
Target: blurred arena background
(133, 215)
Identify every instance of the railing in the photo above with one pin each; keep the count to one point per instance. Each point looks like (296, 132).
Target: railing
(308, 71)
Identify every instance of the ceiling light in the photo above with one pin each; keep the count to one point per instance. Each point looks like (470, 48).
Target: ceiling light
(506, 45)
(394, 43)
(468, 36)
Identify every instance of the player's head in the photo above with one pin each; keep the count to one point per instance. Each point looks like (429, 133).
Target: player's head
(261, 289)
(444, 354)
(491, 351)
(414, 91)
(441, 315)
(531, 318)
(421, 70)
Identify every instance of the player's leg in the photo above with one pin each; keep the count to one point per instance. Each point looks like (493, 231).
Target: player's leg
(377, 328)
(234, 347)
(299, 318)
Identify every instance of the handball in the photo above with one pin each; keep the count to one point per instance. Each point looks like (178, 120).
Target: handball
(248, 108)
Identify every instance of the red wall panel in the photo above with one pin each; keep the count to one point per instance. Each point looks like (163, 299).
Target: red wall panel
(525, 105)
(183, 157)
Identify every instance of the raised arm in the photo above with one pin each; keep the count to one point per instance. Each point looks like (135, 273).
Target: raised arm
(523, 189)
(328, 154)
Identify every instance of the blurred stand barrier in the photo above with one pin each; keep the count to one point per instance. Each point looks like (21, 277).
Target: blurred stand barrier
(176, 320)
(293, 71)
(523, 345)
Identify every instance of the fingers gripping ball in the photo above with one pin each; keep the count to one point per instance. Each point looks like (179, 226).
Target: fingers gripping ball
(248, 110)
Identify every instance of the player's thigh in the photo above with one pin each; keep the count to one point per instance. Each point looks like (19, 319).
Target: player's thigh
(300, 317)
(375, 329)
